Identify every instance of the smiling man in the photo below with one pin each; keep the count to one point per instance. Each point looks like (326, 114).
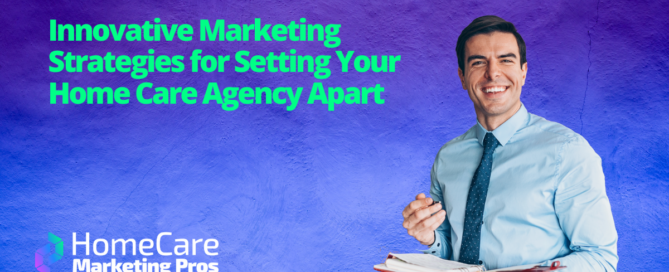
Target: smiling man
(515, 188)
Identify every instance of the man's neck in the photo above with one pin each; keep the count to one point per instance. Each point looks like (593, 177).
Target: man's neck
(492, 122)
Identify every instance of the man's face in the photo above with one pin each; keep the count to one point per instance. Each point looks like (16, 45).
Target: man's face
(493, 75)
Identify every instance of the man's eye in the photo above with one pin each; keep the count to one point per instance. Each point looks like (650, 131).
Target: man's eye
(477, 63)
(506, 60)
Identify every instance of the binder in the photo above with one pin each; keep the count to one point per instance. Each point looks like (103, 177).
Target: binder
(430, 263)
(554, 266)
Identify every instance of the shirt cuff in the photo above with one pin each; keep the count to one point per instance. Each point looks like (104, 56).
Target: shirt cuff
(435, 248)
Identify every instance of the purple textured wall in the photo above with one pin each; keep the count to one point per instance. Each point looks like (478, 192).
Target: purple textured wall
(312, 190)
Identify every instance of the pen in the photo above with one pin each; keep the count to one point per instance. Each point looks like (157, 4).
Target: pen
(435, 203)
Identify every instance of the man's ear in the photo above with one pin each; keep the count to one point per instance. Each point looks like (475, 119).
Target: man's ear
(523, 68)
(462, 78)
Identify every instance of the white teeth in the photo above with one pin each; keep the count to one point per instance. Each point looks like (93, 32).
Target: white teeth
(494, 89)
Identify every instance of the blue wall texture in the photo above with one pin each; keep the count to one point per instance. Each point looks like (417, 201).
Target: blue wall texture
(312, 190)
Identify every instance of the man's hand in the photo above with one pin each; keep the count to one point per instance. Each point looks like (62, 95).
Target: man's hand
(418, 219)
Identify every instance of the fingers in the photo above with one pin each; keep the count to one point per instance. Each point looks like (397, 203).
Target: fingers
(430, 224)
(420, 215)
(415, 205)
(420, 196)
(435, 221)
(423, 231)
(421, 218)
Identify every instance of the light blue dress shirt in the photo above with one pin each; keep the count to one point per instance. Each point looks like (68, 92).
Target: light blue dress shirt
(546, 198)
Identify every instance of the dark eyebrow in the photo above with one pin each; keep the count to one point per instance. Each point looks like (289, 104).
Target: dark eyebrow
(509, 55)
(473, 57)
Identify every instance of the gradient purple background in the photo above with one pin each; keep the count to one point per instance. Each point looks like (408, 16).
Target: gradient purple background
(312, 190)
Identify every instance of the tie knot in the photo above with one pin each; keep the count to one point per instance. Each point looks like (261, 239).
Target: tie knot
(489, 143)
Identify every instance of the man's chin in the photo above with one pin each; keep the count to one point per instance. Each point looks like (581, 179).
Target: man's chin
(497, 109)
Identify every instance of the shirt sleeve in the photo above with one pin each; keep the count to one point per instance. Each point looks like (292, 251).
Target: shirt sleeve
(442, 235)
(583, 210)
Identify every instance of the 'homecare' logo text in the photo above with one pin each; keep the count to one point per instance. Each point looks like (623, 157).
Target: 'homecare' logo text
(102, 248)
(45, 257)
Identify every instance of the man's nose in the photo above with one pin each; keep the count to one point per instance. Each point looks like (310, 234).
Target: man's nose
(493, 70)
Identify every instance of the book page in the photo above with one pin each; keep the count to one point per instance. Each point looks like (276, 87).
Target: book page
(384, 268)
(515, 268)
(436, 263)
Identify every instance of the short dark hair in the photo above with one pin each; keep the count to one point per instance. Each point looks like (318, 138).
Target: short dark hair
(484, 25)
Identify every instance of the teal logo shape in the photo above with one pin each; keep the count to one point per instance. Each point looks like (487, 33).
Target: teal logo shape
(45, 257)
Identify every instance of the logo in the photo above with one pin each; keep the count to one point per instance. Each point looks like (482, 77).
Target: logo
(45, 257)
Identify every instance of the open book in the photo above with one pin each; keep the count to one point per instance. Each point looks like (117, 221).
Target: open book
(431, 263)
(423, 263)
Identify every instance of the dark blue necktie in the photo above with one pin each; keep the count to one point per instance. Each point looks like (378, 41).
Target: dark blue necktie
(471, 236)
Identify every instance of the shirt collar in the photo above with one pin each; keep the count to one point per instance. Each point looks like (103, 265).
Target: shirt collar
(504, 132)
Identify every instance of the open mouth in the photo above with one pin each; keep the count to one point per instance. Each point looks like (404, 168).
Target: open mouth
(494, 91)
